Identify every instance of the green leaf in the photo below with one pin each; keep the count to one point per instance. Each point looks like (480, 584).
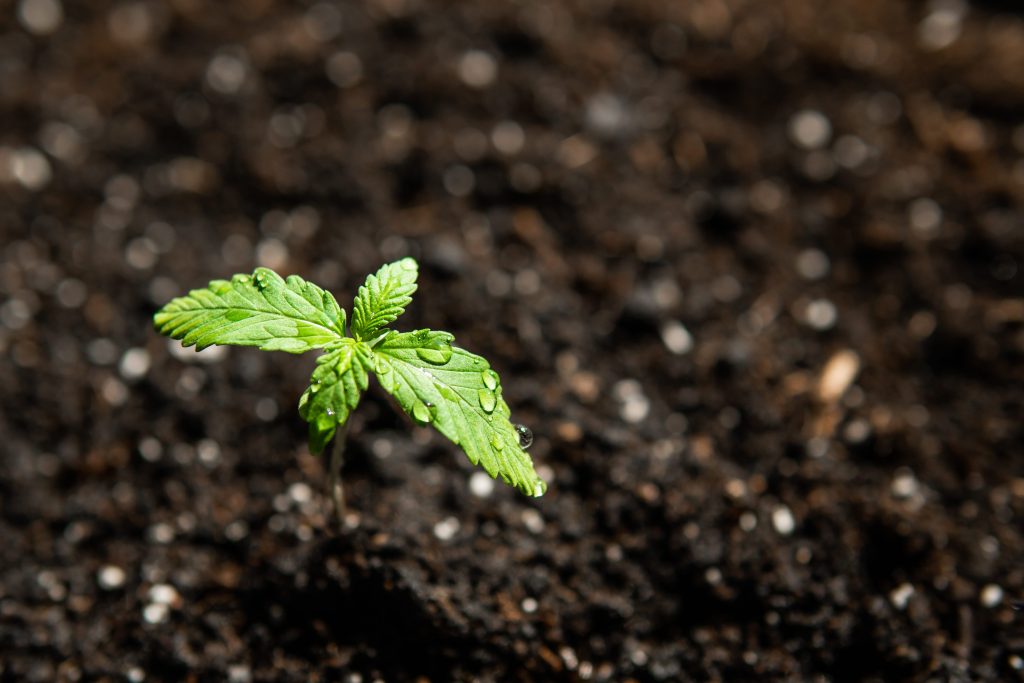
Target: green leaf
(337, 383)
(460, 395)
(383, 298)
(261, 310)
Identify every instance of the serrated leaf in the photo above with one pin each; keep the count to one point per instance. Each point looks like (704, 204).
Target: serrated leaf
(460, 395)
(262, 310)
(337, 383)
(383, 297)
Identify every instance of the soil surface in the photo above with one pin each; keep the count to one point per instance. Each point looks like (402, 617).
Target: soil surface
(751, 270)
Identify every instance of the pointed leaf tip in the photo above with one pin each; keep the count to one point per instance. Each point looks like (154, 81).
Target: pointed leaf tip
(383, 297)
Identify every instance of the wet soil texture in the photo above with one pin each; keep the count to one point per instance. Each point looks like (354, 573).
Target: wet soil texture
(751, 271)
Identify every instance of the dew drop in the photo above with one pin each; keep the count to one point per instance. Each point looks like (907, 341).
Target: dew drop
(241, 279)
(539, 488)
(421, 412)
(220, 288)
(487, 400)
(330, 412)
(437, 356)
(381, 366)
(490, 378)
(497, 444)
(446, 351)
(525, 436)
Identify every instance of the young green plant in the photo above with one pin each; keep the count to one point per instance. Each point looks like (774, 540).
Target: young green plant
(433, 381)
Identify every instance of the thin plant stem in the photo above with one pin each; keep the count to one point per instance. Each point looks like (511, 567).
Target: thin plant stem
(334, 485)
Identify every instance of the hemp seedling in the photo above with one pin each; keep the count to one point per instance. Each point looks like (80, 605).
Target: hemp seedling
(434, 382)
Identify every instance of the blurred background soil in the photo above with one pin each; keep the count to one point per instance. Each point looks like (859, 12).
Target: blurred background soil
(750, 269)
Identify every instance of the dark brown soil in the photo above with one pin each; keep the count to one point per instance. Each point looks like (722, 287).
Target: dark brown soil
(751, 270)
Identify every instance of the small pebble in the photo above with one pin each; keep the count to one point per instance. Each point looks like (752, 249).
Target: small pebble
(900, 596)
(71, 293)
(110, 577)
(810, 129)
(239, 673)
(676, 338)
(40, 17)
(782, 520)
(838, 375)
(941, 27)
(155, 613)
(227, 72)
(477, 69)
(857, 431)
(812, 264)
(344, 69)
(925, 217)
(634, 405)
(208, 451)
(300, 492)
(161, 533)
(606, 115)
(459, 180)
(904, 485)
(141, 253)
(991, 595)
(533, 521)
(508, 137)
(134, 364)
(821, 314)
(30, 168)
(481, 485)
(446, 529)
(266, 409)
(163, 594)
(114, 392)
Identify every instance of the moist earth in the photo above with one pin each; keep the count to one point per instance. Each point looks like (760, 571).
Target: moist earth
(750, 270)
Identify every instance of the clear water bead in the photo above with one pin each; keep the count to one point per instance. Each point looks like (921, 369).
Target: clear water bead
(487, 400)
(525, 436)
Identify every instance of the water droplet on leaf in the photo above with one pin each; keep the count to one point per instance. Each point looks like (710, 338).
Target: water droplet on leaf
(525, 436)
(497, 444)
(487, 400)
(490, 378)
(437, 356)
(539, 488)
(421, 412)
